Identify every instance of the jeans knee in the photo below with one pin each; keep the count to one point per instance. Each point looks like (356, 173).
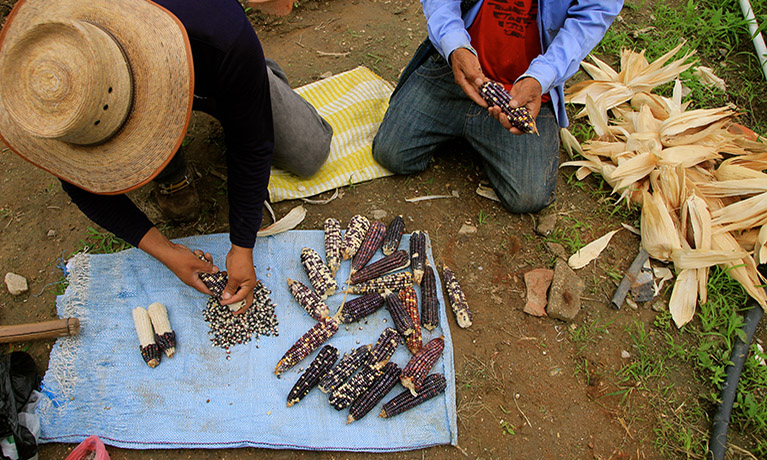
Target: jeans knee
(384, 153)
(527, 202)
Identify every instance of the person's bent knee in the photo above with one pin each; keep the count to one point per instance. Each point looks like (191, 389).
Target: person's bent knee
(527, 203)
(316, 157)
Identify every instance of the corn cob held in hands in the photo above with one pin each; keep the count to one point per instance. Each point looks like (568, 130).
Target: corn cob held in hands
(316, 371)
(373, 395)
(417, 254)
(391, 282)
(409, 300)
(402, 320)
(358, 227)
(149, 349)
(495, 95)
(333, 244)
(371, 243)
(384, 348)
(163, 333)
(310, 341)
(360, 307)
(415, 371)
(344, 395)
(323, 281)
(456, 298)
(308, 300)
(391, 263)
(393, 235)
(344, 369)
(433, 385)
(429, 300)
(216, 282)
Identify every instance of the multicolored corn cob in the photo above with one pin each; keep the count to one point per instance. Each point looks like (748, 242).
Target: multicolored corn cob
(216, 282)
(429, 300)
(392, 282)
(373, 395)
(414, 373)
(310, 301)
(163, 333)
(393, 262)
(310, 341)
(393, 235)
(149, 349)
(313, 374)
(384, 348)
(371, 243)
(344, 395)
(433, 385)
(344, 369)
(360, 307)
(358, 227)
(417, 254)
(402, 320)
(333, 243)
(495, 95)
(323, 281)
(456, 298)
(409, 300)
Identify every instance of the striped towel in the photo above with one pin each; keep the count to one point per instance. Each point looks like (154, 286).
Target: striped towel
(354, 103)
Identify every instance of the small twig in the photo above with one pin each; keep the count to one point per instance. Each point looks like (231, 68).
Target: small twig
(460, 449)
(520, 411)
(5, 150)
(324, 53)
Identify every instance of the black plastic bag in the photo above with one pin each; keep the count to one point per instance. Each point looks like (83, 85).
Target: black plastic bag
(18, 378)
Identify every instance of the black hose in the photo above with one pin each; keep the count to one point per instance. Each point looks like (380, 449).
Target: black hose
(717, 444)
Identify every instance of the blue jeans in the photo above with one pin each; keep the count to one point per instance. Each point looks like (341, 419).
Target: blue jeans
(429, 109)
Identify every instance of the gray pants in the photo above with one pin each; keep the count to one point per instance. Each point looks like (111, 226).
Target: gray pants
(301, 136)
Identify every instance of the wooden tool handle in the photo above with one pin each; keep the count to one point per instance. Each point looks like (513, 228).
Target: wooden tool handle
(42, 330)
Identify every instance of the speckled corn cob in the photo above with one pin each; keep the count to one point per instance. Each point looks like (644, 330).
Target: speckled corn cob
(456, 298)
(494, 94)
(433, 385)
(216, 282)
(393, 235)
(392, 282)
(402, 320)
(358, 227)
(417, 254)
(344, 395)
(429, 300)
(373, 395)
(393, 262)
(371, 243)
(308, 300)
(313, 374)
(310, 341)
(323, 281)
(344, 369)
(409, 300)
(163, 333)
(360, 307)
(149, 349)
(384, 348)
(333, 243)
(415, 371)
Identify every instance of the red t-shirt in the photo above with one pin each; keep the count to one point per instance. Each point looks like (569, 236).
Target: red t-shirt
(505, 35)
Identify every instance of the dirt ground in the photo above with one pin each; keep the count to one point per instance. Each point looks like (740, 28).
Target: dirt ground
(520, 391)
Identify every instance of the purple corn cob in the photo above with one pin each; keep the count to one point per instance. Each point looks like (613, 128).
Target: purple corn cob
(316, 370)
(391, 282)
(373, 395)
(360, 307)
(409, 300)
(310, 301)
(433, 385)
(402, 320)
(456, 298)
(396, 261)
(371, 243)
(323, 281)
(333, 243)
(384, 348)
(429, 301)
(358, 227)
(495, 95)
(344, 395)
(417, 254)
(310, 341)
(420, 364)
(344, 369)
(393, 235)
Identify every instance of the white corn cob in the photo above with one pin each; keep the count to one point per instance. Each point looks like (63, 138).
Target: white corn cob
(163, 333)
(149, 349)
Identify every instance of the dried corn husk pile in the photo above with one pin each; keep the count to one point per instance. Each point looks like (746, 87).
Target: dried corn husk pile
(702, 189)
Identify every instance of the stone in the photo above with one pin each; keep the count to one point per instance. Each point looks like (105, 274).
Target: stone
(51, 233)
(467, 229)
(16, 284)
(379, 214)
(327, 74)
(565, 293)
(537, 282)
(557, 250)
(546, 224)
(625, 354)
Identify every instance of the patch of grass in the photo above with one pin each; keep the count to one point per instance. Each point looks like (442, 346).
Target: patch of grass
(569, 234)
(482, 217)
(101, 242)
(586, 334)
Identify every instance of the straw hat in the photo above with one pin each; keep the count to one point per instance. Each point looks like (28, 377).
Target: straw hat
(97, 92)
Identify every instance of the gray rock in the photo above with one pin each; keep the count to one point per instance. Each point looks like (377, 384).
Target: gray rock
(379, 214)
(16, 284)
(51, 233)
(546, 224)
(565, 293)
(557, 250)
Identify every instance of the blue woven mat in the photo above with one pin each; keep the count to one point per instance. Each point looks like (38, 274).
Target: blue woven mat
(97, 383)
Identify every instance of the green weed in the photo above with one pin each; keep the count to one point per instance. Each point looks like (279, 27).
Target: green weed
(101, 242)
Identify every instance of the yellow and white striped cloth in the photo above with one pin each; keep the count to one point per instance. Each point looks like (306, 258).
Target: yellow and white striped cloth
(354, 103)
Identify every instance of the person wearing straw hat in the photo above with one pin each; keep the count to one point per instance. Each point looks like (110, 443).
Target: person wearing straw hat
(100, 92)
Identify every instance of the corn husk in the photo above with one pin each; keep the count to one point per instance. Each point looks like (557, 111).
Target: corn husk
(659, 234)
(684, 297)
(289, 222)
(591, 251)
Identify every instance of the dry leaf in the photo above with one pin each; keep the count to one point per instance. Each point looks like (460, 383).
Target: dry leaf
(684, 298)
(289, 222)
(591, 251)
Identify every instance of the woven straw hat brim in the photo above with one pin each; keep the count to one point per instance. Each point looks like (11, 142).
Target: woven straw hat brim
(160, 57)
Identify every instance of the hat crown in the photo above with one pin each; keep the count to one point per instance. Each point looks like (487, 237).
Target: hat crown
(69, 81)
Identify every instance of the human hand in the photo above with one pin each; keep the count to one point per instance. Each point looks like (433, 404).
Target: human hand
(526, 92)
(242, 278)
(468, 74)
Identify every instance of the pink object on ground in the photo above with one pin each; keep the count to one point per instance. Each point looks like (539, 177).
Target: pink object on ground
(537, 282)
(91, 444)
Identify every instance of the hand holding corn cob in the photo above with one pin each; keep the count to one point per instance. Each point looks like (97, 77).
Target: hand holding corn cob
(519, 117)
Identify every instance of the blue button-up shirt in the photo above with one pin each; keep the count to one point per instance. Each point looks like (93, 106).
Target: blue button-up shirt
(569, 30)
